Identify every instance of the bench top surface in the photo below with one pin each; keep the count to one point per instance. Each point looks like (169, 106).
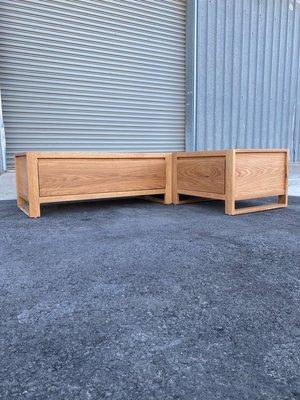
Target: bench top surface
(90, 154)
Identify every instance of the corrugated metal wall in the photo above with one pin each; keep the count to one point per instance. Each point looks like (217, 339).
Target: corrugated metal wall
(103, 75)
(248, 74)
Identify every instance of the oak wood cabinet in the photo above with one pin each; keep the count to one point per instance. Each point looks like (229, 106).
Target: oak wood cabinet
(232, 175)
(50, 177)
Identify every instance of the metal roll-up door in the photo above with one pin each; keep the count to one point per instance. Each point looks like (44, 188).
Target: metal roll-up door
(94, 75)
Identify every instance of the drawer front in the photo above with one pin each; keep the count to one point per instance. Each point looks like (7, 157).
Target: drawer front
(67, 176)
(202, 174)
(259, 174)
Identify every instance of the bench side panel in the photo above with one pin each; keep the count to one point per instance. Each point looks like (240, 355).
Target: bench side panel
(201, 174)
(260, 174)
(21, 176)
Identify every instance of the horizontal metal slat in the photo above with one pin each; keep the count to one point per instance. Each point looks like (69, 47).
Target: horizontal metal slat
(24, 96)
(20, 64)
(116, 8)
(85, 80)
(103, 30)
(172, 11)
(23, 30)
(68, 17)
(19, 100)
(20, 51)
(78, 76)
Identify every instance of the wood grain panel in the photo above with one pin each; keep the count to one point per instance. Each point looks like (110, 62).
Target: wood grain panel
(21, 176)
(259, 174)
(66, 176)
(201, 174)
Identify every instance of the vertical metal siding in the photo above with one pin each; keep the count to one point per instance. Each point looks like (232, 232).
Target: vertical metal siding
(2, 141)
(248, 86)
(191, 74)
(103, 75)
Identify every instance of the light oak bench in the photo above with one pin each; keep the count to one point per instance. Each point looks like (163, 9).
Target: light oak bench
(232, 175)
(50, 177)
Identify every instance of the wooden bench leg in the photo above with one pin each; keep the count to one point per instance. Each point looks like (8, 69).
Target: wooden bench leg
(33, 210)
(230, 208)
(23, 205)
(283, 199)
(165, 199)
(28, 180)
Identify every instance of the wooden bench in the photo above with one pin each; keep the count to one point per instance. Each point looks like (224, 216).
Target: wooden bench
(229, 175)
(232, 175)
(50, 177)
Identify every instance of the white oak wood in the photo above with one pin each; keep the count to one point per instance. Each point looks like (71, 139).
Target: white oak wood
(247, 174)
(52, 177)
